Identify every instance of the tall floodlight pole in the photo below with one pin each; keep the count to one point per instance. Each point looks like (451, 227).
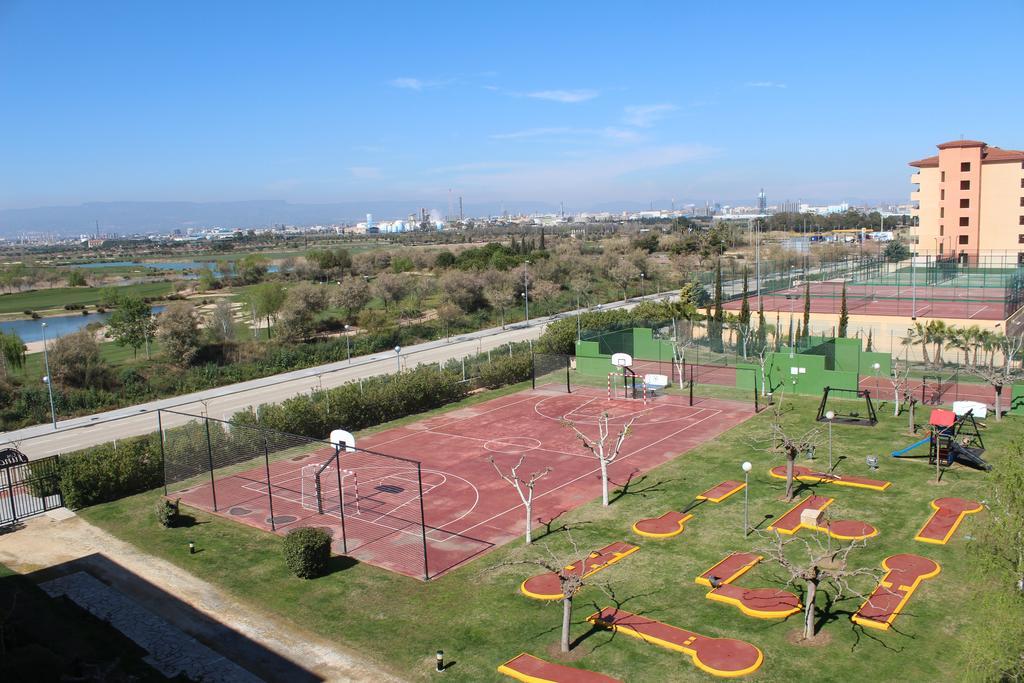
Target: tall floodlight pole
(579, 326)
(46, 380)
(746, 497)
(913, 286)
(348, 345)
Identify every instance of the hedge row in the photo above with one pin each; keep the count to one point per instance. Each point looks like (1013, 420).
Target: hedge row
(108, 472)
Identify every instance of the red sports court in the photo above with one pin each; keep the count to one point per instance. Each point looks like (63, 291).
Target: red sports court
(466, 508)
(923, 301)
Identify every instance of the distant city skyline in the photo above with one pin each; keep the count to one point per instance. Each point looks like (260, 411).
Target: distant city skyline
(587, 105)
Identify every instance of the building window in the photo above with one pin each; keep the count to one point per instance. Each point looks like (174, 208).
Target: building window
(1020, 258)
(942, 176)
(942, 194)
(962, 239)
(965, 203)
(1022, 201)
(942, 229)
(965, 167)
(965, 184)
(942, 212)
(941, 245)
(964, 221)
(1020, 238)
(1022, 183)
(1022, 220)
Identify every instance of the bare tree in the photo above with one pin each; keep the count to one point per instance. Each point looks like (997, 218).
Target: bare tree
(524, 487)
(816, 562)
(900, 382)
(791, 444)
(999, 376)
(604, 447)
(570, 581)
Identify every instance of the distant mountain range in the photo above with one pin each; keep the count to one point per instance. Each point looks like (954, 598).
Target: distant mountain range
(126, 218)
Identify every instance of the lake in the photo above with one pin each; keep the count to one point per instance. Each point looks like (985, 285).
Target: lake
(56, 326)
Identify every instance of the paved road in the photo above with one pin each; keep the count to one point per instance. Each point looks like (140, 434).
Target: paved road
(222, 402)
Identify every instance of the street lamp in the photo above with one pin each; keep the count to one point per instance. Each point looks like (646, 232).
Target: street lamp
(46, 379)
(642, 292)
(398, 357)
(348, 345)
(830, 416)
(746, 497)
(877, 367)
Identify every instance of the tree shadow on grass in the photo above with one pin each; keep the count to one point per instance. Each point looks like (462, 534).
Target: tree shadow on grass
(550, 528)
(626, 489)
(595, 629)
(186, 522)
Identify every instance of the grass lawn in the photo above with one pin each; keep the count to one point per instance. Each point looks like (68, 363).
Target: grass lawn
(56, 298)
(477, 616)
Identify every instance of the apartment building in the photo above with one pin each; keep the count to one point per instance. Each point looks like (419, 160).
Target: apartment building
(969, 199)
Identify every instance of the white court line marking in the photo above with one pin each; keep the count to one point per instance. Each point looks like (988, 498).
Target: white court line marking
(572, 481)
(978, 311)
(453, 421)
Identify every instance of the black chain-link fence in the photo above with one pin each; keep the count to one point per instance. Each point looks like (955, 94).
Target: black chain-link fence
(370, 502)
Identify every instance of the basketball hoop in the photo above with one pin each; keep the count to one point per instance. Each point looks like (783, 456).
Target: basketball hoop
(622, 360)
(342, 440)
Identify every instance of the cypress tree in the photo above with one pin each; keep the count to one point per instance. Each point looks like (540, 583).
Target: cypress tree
(807, 309)
(745, 305)
(844, 314)
(719, 317)
(542, 239)
(869, 349)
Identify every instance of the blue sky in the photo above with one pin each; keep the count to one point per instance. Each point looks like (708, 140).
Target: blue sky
(587, 103)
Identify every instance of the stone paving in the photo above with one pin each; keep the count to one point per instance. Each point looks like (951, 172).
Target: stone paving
(171, 650)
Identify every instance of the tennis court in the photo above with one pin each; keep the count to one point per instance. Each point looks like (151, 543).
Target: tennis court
(424, 498)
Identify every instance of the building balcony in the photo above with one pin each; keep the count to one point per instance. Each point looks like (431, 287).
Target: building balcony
(915, 178)
(915, 196)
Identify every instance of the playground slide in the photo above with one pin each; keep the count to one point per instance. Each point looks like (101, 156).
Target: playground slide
(969, 456)
(903, 451)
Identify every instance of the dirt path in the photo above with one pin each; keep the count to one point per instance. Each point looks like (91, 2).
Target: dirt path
(258, 641)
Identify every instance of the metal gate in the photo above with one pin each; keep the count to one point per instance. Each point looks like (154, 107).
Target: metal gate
(27, 488)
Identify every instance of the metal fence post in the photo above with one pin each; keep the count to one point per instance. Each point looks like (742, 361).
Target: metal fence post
(568, 381)
(533, 372)
(423, 522)
(163, 456)
(270, 491)
(341, 500)
(10, 494)
(209, 457)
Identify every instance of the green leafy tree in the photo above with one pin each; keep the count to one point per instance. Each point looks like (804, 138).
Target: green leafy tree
(252, 269)
(301, 306)
(352, 295)
(76, 278)
(265, 302)
(12, 352)
(896, 251)
(131, 324)
(178, 330)
(75, 361)
(844, 314)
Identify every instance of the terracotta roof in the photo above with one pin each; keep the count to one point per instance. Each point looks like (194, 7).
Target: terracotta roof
(961, 143)
(995, 154)
(989, 155)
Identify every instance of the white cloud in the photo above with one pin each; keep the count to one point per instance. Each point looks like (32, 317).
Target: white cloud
(765, 84)
(365, 172)
(416, 84)
(645, 116)
(607, 133)
(564, 96)
(593, 175)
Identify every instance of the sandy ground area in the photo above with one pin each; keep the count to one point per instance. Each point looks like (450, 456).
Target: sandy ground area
(51, 545)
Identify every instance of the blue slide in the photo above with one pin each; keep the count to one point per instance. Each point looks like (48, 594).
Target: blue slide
(911, 447)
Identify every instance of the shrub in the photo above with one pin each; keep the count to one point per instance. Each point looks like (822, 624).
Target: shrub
(307, 551)
(104, 473)
(506, 370)
(167, 511)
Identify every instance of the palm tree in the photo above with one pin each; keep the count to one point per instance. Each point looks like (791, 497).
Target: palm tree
(938, 331)
(921, 337)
